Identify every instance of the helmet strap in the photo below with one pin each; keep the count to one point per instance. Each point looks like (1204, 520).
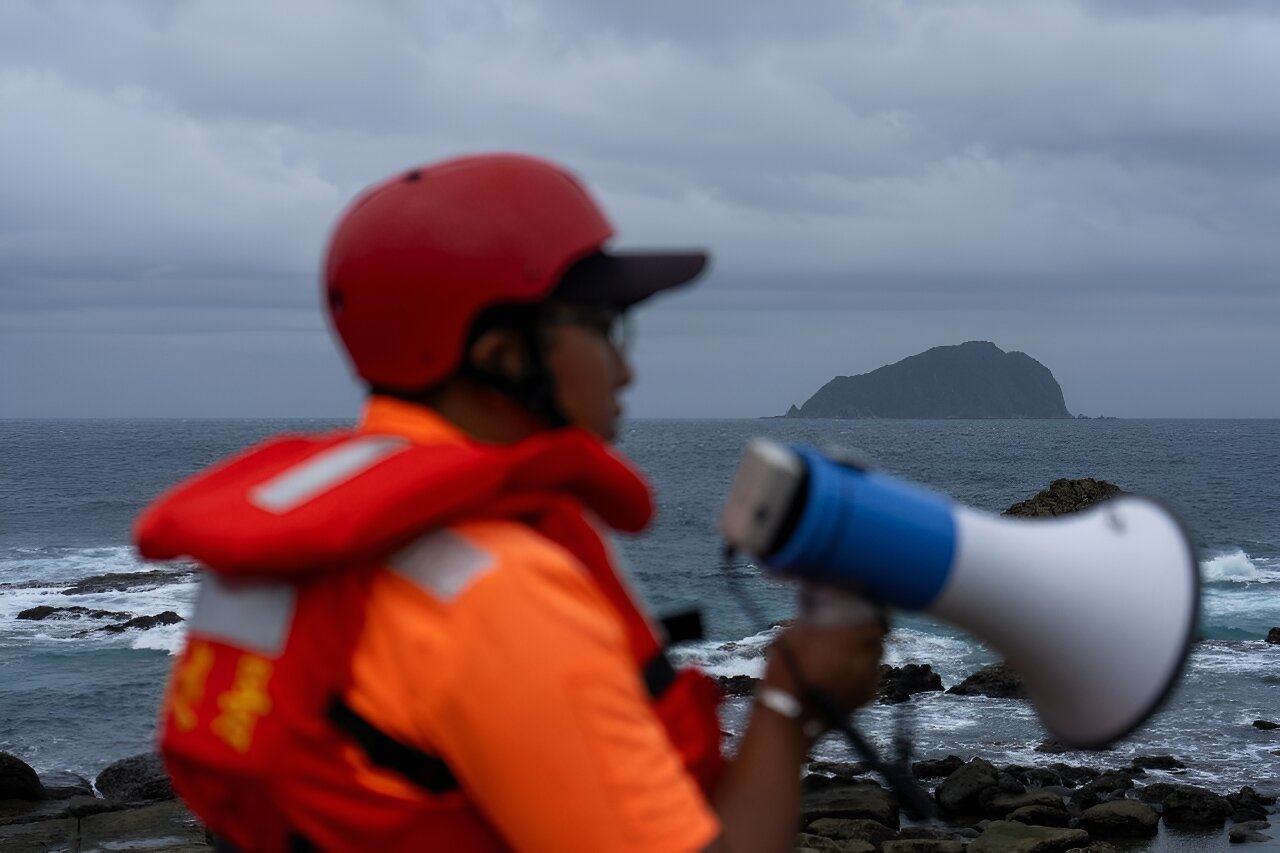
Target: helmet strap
(535, 390)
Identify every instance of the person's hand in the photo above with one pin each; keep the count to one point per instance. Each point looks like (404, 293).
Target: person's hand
(843, 662)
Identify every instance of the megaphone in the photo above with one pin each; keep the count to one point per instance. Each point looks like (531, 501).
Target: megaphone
(1096, 611)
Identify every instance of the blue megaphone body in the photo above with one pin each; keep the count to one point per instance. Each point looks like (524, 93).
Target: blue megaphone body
(1096, 610)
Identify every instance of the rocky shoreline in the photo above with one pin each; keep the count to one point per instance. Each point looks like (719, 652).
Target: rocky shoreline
(982, 808)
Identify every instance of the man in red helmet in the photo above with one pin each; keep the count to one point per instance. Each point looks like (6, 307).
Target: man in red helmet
(412, 635)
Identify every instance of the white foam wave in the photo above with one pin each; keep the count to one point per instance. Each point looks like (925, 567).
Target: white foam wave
(738, 657)
(1238, 567)
(39, 577)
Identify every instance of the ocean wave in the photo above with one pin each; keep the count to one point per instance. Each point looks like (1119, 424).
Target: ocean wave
(1236, 567)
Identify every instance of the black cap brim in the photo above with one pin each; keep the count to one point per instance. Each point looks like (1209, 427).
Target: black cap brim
(625, 278)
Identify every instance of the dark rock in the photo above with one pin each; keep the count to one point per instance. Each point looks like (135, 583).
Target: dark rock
(1120, 819)
(900, 683)
(922, 845)
(810, 842)
(1008, 836)
(937, 768)
(82, 806)
(1040, 816)
(1242, 835)
(142, 623)
(1053, 747)
(844, 829)
(44, 611)
(1063, 497)
(842, 771)
(1001, 804)
(40, 837)
(1273, 636)
(139, 778)
(1073, 775)
(1107, 786)
(856, 799)
(1248, 805)
(961, 792)
(996, 680)
(1035, 777)
(162, 826)
(937, 833)
(1265, 725)
(737, 685)
(972, 380)
(60, 785)
(31, 811)
(1157, 762)
(18, 781)
(1187, 805)
(126, 581)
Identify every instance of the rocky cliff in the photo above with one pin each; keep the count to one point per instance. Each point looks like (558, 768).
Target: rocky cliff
(971, 380)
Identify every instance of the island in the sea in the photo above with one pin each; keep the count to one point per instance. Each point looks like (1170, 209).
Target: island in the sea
(970, 380)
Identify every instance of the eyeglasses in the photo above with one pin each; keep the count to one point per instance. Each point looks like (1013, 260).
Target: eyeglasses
(611, 322)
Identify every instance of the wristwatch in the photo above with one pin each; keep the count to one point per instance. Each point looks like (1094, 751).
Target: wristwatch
(781, 702)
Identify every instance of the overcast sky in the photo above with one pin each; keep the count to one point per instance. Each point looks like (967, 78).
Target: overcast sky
(1096, 184)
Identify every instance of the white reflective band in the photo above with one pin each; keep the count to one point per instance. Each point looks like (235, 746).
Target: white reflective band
(442, 563)
(323, 471)
(251, 615)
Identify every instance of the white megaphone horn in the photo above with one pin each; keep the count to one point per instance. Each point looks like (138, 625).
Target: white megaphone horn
(1096, 611)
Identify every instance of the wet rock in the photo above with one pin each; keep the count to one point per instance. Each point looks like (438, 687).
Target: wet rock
(38, 837)
(737, 685)
(1065, 496)
(1187, 805)
(44, 611)
(1007, 836)
(1265, 725)
(809, 841)
(996, 680)
(843, 771)
(844, 829)
(1035, 777)
(1248, 805)
(900, 683)
(1157, 762)
(1248, 831)
(937, 768)
(1040, 816)
(1107, 786)
(961, 792)
(31, 811)
(1001, 804)
(1053, 747)
(18, 781)
(126, 581)
(922, 845)
(1073, 775)
(1120, 819)
(139, 778)
(142, 623)
(857, 799)
(60, 785)
(82, 806)
(1095, 847)
(1273, 636)
(162, 826)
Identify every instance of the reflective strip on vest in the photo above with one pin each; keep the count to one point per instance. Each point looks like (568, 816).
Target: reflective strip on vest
(442, 563)
(253, 616)
(323, 471)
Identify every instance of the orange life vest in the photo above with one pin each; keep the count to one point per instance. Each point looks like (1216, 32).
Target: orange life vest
(254, 729)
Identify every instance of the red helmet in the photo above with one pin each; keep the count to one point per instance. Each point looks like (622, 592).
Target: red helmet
(416, 259)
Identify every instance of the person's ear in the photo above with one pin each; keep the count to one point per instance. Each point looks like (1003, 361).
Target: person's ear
(501, 352)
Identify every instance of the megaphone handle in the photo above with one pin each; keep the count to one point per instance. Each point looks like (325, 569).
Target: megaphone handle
(826, 606)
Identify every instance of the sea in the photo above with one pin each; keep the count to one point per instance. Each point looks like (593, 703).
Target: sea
(74, 697)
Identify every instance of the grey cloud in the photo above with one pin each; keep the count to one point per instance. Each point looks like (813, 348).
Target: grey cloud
(178, 165)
